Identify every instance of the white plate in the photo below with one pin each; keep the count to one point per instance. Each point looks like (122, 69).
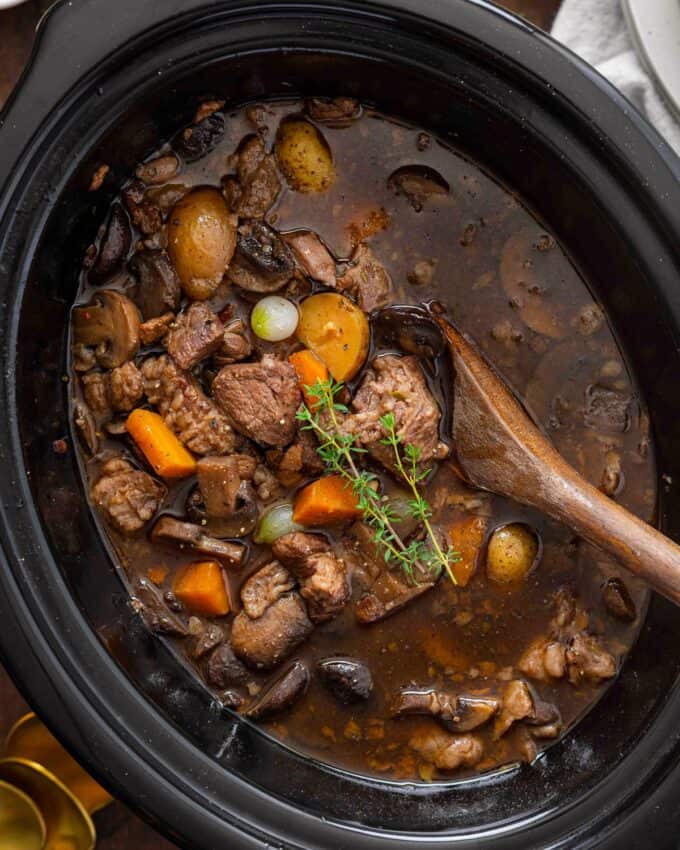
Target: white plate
(5, 4)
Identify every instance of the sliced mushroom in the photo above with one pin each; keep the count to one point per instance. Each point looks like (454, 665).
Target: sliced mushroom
(171, 530)
(418, 183)
(199, 139)
(114, 246)
(225, 503)
(618, 601)
(282, 693)
(147, 601)
(87, 427)
(456, 713)
(158, 290)
(262, 262)
(110, 324)
(338, 112)
(347, 679)
(224, 669)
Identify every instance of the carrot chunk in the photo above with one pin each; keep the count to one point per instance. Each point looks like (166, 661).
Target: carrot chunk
(466, 534)
(160, 446)
(326, 500)
(309, 370)
(201, 588)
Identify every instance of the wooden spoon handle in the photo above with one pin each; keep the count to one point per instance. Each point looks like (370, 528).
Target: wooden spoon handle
(501, 449)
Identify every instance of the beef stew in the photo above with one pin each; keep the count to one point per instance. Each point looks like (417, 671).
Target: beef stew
(270, 454)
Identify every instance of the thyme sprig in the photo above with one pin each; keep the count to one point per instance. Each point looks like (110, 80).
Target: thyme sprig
(340, 454)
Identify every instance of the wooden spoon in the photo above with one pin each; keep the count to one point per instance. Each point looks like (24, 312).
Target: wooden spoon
(500, 449)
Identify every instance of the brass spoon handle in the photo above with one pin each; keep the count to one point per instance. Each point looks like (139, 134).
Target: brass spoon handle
(500, 449)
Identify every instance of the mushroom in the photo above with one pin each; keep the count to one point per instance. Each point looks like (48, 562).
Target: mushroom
(262, 262)
(148, 603)
(158, 290)
(224, 504)
(171, 530)
(110, 323)
(455, 713)
(347, 679)
(282, 693)
(114, 246)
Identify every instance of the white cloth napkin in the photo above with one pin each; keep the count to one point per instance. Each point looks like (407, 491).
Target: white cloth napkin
(596, 30)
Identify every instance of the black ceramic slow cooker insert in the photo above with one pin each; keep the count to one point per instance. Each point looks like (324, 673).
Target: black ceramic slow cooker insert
(107, 83)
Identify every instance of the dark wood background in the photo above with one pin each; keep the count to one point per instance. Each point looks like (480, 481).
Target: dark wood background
(118, 828)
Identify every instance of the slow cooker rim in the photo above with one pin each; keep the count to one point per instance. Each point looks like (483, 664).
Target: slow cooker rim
(24, 613)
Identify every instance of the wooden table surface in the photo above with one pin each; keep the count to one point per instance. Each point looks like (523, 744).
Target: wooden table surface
(117, 827)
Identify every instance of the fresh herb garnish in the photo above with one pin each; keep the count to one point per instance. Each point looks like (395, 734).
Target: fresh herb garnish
(340, 454)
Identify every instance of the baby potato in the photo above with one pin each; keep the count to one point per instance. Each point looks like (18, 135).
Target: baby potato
(511, 553)
(201, 241)
(336, 330)
(304, 156)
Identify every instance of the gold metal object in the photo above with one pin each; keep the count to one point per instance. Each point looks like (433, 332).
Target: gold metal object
(68, 825)
(30, 739)
(21, 825)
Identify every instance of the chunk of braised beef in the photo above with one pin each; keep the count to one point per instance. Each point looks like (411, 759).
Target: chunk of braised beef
(297, 460)
(157, 290)
(96, 393)
(127, 497)
(366, 280)
(261, 399)
(220, 480)
(187, 411)
(325, 587)
(447, 751)
(618, 601)
(347, 679)
(235, 344)
(265, 642)
(125, 387)
(147, 601)
(145, 215)
(312, 256)
(322, 575)
(256, 185)
(335, 112)
(517, 704)
(262, 262)
(199, 139)
(457, 713)
(588, 660)
(154, 330)
(224, 669)
(296, 548)
(395, 385)
(185, 534)
(607, 411)
(197, 333)
(544, 660)
(265, 587)
(210, 637)
(114, 247)
(282, 693)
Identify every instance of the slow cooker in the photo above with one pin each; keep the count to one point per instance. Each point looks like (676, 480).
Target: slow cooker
(109, 81)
